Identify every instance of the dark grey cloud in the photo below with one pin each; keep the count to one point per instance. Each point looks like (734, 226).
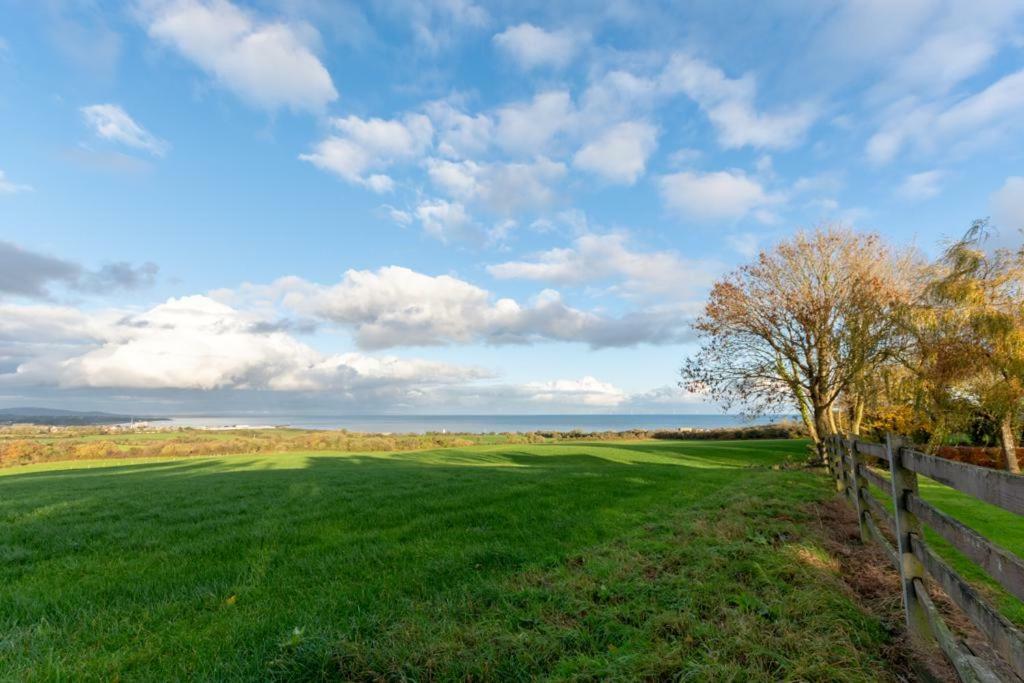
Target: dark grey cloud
(120, 275)
(27, 273)
(299, 326)
(32, 274)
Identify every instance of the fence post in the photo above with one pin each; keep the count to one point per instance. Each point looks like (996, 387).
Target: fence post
(860, 486)
(829, 460)
(837, 466)
(905, 481)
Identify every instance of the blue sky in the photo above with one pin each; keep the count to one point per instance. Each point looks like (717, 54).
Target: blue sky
(450, 206)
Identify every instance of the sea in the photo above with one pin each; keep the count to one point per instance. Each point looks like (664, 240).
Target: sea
(475, 424)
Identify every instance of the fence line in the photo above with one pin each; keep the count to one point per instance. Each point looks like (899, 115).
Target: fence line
(854, 466)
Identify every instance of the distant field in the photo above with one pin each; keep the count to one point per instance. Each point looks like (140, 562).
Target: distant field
(690, 560)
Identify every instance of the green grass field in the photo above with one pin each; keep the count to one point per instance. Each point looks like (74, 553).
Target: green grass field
(660, 560)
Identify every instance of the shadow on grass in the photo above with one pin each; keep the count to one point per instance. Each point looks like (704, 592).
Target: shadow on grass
(568, 456)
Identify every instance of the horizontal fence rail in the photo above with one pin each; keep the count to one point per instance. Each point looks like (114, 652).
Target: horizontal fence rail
(992, 486)
(903, 515)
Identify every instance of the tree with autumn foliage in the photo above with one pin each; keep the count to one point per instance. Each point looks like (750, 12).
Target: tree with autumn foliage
(808, 323)
(968, 331)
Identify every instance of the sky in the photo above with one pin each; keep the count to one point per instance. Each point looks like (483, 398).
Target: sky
(450, 206)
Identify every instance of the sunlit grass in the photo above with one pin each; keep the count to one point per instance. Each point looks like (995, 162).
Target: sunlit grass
(632, 560)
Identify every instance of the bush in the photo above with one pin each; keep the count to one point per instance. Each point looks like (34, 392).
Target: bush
(781, 430)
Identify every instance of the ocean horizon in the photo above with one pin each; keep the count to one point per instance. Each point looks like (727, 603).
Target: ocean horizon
(398, 424)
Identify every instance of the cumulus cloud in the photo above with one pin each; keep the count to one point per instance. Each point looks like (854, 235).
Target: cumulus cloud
(921, 186)
(268, 63)
(620, 153)
(528, 128)
(111, 122)
(363, 146)
(460, 135)
(730, 106)
(977, 119)
(44, 324)
(597, 258)
(587, 391)
(505, 188)
(530, 46)
(716, 196)
(395, 306)
(30, 274)
(444, 220)
(8, 186)
(197, 343)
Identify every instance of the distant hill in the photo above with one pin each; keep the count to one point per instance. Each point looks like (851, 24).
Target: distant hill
(56, 416)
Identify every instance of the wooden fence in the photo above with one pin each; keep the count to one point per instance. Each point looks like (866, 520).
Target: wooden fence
(894, 468)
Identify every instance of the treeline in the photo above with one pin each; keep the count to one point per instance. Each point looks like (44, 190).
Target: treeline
(781, 430)
(23, 445)
(862, 337)
(185, 443)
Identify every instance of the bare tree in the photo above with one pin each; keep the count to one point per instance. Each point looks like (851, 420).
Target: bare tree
(805, 324)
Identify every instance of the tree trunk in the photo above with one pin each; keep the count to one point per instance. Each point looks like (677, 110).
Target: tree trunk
(832, 428)
(858, 415)
(1008, 442)
(822, 415)
(805, 410)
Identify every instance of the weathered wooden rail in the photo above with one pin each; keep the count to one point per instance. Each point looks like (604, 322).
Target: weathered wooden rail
(893, 468)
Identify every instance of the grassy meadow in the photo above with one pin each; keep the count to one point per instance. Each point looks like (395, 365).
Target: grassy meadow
(676, 560)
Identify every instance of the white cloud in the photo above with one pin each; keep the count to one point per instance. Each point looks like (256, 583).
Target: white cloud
(1008, 209)
(505, 188)
(197, 343)
(940, 62)
(58, 325)
(528, 128)
(730, 106)
(366, 145)
(8, 186)
(436, 24)
(716, 196)
(613, 97)
(460, 135)
(395, 306)
(195, 351)
(444, 220)
(111, 122)
(399, 216)
(978, 119)
(586, 390)
(531, 47)
(921, 186)
(270, 64)
(597, 258)
(620, 153)
(920, 47)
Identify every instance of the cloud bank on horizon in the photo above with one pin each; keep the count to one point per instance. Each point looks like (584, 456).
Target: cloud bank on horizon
(488, 206)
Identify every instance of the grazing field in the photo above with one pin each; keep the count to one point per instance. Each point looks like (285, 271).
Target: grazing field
(677, 560)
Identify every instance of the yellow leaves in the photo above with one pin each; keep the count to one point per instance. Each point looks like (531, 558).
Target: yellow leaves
(231, 599)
